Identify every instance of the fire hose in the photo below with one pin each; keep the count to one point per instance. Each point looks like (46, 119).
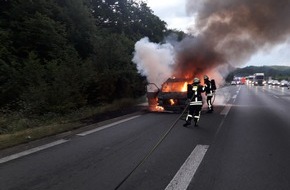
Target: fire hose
(158, 143)
(155, 147)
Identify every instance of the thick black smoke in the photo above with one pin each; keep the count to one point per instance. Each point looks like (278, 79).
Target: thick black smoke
(226, 34)
(231, 31)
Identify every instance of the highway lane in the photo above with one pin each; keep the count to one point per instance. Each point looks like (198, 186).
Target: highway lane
(101, 159)
(252, 148)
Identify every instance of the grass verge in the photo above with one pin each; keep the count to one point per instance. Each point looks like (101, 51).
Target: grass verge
(16, 129)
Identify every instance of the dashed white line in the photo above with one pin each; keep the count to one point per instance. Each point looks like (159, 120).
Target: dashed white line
(106, 126)
(36, 149)
(275, 96)
(185, 174)
(30, 151)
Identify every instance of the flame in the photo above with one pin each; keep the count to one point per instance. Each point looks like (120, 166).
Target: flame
(155, 108)
(184, 88)
(175, 87)
(159, 108)
(171, 102)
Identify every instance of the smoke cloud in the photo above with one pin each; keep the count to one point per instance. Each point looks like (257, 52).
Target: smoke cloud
(237, 29)
(154, 61)
(226, 34)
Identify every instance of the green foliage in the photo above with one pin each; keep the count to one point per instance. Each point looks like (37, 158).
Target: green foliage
(57, 86)
(80, 24)
(57, 56)
(135, 19)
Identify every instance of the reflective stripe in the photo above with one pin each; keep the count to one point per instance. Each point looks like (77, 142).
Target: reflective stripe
(187, 117)
(196, 117)
(209, 103)
(196, 103)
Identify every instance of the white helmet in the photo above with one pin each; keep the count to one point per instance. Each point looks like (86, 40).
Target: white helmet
(196, 80)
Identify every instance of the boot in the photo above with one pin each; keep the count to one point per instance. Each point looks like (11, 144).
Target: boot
(195, 123)
(186, 123)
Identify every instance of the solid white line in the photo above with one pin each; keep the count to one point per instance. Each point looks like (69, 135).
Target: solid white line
(106, 126)
(226, 109)
(30, 151)
(185, 174)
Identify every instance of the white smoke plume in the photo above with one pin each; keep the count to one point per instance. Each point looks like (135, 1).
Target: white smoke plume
(155, 61)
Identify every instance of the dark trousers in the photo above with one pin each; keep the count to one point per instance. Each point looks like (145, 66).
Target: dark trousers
(193, 112)
(209, 103)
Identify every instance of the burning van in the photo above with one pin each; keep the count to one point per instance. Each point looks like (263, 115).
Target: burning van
(172, 95)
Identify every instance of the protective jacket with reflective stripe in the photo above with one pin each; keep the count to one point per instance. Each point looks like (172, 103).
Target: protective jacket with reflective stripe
(194, 93)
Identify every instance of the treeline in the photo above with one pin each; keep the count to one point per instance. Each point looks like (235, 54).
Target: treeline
(61, 55)
(276, 72)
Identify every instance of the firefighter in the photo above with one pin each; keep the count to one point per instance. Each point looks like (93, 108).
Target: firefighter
(194, 96)
(209, 92)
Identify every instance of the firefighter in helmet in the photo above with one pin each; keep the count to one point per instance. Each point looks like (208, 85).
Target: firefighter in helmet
(209, 92)
(194, 96)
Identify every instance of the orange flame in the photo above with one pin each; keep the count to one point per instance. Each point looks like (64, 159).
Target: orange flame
(184, 88)
(159, 108)
(175, 87)
(171, 102)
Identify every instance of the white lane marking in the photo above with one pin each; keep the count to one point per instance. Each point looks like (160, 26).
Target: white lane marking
(106, 126)
(275, 96)
(226, 109)
(234, 98)
(30, 151)
(185, 174)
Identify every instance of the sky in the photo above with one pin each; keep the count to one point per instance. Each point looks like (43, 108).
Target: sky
(173, 12)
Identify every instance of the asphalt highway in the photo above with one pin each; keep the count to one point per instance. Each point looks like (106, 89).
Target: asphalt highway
(243, 144)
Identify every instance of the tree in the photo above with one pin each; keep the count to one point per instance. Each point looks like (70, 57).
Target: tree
(60, 55)
(80, 24)
(128, 17)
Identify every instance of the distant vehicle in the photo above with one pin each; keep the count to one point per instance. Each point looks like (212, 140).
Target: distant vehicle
(243, 80)
(233, 82)
(239, 80)
(259, 79)
(275, 83)
(270, 82)
(284, 83)
(250, 79)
